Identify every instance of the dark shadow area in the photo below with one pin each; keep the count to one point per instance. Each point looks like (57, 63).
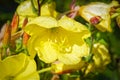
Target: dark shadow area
(7, 9)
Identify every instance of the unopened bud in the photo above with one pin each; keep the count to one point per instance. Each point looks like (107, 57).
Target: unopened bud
(25, 35)
(14, 23)
(7, 35)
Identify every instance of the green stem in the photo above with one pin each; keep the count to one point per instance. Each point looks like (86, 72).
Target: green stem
(44, 70)
(91, 41)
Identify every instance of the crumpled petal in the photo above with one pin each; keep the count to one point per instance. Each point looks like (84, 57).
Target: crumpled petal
(101, 55)
(97, 9)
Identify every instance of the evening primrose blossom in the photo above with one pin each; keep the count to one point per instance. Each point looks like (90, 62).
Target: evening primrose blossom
(101, 10)
(101, 55)
(18, 67)
(61, 40)
(101, 58)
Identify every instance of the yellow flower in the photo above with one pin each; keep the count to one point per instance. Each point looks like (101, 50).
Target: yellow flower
(98, 9)
(18, 67)
(101, 55)
(25, 9)
(101, 59)
(57, 40)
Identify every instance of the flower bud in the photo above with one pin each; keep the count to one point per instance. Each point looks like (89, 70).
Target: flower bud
(14, 23)
(7, 35)
(25, 35)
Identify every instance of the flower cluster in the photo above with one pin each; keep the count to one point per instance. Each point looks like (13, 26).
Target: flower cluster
(55, 38)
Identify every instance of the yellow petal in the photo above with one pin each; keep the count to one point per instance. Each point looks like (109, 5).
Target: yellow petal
(30, 47)
(44, 21)
(12, 65)
(29, 71)
(34, 29)
(74, 26)
(32, 76)
(18, 67)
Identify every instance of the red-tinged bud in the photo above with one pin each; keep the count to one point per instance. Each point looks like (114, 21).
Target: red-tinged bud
(2, 31)
(14, 23)
(25, 35)
(7, 35)
(25, 22)
(95, 20)
(25, 38)
(74, 12)
(74, 9)
(72, 5)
